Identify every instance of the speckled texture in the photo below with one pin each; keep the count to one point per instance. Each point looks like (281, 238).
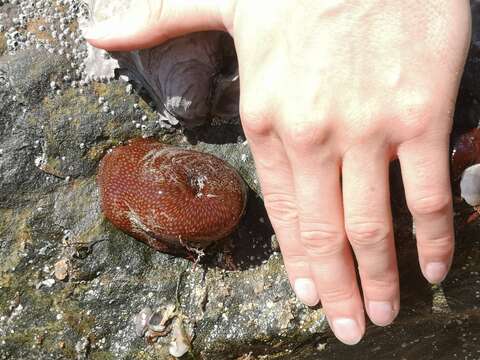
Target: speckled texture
(52, 213)
(166, 195)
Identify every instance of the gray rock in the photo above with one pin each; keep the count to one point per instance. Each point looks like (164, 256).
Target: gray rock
(50, 147)
(22, 86)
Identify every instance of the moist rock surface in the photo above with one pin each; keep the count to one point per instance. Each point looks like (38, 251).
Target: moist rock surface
(71, 285)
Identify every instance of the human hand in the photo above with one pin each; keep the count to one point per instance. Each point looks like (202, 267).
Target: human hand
(331, 92)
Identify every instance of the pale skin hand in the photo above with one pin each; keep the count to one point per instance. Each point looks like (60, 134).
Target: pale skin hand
(337, 88)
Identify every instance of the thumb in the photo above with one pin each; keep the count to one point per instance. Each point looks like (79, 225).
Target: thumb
(147, 23)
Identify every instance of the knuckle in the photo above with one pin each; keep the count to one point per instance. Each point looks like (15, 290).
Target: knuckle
(417, 127)
(281, 208)
(336, 294)
(256, 126)
(322, 240)
(430, 204)
(378, 267)
(385, 287)
(298, 259)
(256, 118)
(305, 135)
(418, 101)
(415, 109)
(295, 264)
(373, 127)
(368, 234)
(439, 244)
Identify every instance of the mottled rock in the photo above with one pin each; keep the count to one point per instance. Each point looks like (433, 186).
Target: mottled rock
(3, 43)
(49, 210)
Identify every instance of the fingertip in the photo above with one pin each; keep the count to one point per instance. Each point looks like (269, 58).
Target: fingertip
(306, 291)
(347, 330)
(114, 35)
(98, 31)
(436, 272)
(435, 263)
(382, 313)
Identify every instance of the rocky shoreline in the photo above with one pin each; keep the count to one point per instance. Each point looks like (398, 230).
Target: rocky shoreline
(72, 286)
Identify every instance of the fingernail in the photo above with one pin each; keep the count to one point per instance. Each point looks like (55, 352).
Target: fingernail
(347, 330)
(435, 272)
(306, 291)
(381, 312)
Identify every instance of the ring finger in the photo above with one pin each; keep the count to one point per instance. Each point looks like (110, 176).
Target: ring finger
(368, 223)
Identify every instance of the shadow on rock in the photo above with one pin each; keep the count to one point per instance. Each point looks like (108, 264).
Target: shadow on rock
(415, 292)
(250, 245)
(218, 134)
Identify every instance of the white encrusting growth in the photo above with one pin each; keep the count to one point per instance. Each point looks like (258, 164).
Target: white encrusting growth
(199, 184)
(470, 185)
(136, 222)
(177, 157)
(41, 160)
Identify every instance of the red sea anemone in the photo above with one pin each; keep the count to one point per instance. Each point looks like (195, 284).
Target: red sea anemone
(466, 152)
(168, 197)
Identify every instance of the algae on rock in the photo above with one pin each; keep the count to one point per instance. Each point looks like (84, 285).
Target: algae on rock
(52, 213)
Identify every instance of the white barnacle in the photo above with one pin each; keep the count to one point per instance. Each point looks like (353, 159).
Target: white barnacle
(141, 320)
(41, 160)
(470, 185)
(200, 181)
(180, 344)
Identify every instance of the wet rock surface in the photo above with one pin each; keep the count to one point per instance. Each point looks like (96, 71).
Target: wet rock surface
(71, 285)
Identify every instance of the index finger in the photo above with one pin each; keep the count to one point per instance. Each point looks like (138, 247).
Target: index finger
(425, 172)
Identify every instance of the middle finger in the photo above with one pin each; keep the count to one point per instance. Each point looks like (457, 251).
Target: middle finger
(317, 188)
